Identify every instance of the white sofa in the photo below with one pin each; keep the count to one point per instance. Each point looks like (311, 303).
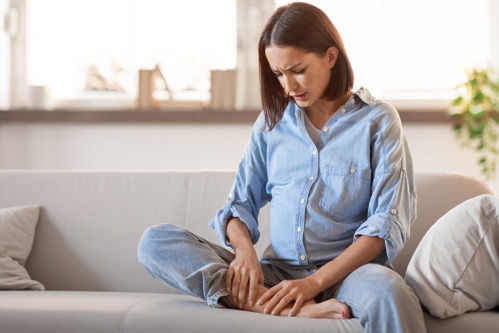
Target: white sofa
(85, 246)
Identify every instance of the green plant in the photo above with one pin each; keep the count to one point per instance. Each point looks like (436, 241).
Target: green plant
(476, 116)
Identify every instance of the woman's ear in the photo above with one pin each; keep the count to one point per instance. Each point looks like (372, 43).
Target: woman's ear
(332, 56)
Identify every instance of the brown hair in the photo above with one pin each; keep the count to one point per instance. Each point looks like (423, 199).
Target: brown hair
(306, 27)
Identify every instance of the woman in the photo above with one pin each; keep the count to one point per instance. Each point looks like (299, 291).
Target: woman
(336, 168)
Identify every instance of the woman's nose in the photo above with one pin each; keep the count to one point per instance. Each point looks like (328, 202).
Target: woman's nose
(289, 83)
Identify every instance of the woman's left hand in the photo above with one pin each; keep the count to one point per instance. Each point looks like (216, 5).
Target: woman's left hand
(279, 296)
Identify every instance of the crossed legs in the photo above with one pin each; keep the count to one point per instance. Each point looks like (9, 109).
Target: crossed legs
(199, 269)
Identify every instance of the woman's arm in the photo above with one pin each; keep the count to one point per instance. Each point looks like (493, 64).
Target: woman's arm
(245, 272)
(359, 253)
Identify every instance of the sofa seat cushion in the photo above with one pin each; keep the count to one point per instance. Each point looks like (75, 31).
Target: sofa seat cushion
(484, 322)
(75, 312)
(66, 311)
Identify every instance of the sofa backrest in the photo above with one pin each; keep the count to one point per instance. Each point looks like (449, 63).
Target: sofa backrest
(91, 222)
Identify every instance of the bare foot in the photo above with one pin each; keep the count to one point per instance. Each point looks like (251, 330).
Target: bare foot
(330, 309)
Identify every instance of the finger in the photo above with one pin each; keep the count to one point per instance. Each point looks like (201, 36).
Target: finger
(273, 302)
(228, 278)
(261, 278)
(243, 286)
(235, 285)
(296, 307)
(282, 304)
(253, 286)
(267, 295)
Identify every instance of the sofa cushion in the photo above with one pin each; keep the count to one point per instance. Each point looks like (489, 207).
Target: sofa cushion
(455, 268)
(17, 230)
(75, 312)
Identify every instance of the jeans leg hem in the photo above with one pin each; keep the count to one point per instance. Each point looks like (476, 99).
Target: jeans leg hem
(213, 300)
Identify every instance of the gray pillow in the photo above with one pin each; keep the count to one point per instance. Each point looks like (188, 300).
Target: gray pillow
(455, 268)
(17, 231)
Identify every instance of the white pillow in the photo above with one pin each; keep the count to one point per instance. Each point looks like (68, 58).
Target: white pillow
(455, 267)
(17, 231)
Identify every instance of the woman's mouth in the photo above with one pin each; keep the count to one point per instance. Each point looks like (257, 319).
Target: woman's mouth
(299, 97)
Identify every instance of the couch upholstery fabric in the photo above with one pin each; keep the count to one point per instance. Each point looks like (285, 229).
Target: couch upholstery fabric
(85, 252)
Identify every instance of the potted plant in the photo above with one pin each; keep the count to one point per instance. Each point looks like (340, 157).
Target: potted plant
(476, 115)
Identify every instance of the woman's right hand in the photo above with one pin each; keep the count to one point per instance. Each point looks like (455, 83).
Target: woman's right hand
(245, 271)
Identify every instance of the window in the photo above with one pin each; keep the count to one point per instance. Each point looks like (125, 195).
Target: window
(411, 50)
(85, 50)
(401, 50)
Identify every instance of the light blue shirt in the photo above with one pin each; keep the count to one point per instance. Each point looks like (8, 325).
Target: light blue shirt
(357, 180)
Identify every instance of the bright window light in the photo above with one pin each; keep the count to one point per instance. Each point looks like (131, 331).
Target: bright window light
(406, 49)
(71, 43)
(399, 49)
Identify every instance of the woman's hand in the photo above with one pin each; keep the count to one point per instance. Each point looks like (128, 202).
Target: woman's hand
(243, 276)
(279, 296)
(245, 272)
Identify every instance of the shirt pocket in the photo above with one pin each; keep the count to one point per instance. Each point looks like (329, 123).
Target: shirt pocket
(346, 192)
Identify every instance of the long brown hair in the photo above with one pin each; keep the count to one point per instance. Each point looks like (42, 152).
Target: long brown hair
(306, 27)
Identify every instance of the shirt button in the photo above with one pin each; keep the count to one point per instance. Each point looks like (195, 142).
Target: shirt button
(352, 171)
(231, 196)
(302, 201)
(352, 101)
(343, 110)
(314, 152)
(302, 257)
(299, 229)
(311, 178)
(325, 129)
(393, 211)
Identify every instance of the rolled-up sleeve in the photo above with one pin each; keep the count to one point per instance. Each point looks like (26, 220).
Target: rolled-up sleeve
(392, 207)
(248, 193)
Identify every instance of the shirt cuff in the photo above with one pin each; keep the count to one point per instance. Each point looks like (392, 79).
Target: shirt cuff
(219, 223)
(387, 227)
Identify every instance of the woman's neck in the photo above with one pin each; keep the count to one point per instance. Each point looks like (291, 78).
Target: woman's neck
(323, 110)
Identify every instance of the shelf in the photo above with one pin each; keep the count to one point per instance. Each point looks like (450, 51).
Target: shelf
(176, 116)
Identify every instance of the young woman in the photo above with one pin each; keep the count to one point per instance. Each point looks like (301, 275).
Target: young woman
(336, 168)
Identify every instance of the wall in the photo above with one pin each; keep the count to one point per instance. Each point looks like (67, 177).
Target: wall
(183, 146)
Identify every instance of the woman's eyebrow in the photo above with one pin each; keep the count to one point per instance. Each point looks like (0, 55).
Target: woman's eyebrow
(290, 68)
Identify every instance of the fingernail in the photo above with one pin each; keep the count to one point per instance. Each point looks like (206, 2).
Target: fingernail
(343, 314)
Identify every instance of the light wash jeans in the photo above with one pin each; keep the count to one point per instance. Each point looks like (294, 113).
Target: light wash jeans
(377, 295)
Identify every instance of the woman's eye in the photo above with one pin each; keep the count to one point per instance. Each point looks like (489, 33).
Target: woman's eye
(278, 74)
(301, 72)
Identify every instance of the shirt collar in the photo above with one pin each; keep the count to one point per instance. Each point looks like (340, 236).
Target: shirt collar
(366, 96)
(362, 93)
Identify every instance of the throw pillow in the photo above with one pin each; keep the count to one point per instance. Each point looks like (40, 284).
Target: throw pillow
(17, 231)
(455, 268)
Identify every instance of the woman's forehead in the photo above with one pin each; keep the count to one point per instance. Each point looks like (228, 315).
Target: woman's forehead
(286, 57)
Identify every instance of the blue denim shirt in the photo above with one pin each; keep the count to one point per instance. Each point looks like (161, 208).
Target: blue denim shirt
(356, 180)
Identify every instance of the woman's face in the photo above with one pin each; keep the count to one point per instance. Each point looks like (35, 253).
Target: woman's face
(303, 75)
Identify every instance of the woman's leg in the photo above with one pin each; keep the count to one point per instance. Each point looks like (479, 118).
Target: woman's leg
(197, 267)
(185, 262)
(381, 299)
